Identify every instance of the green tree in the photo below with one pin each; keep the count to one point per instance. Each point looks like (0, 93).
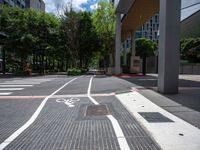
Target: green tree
(88, 39)
(29, 33)
(70, 29)
(103, 21)
(190, 49)
(144, 49)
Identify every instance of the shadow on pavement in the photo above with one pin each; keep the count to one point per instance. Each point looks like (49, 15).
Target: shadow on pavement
(189, 91)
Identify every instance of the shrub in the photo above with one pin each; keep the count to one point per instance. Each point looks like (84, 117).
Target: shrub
(190, 49)
(20, 72)
(74, 72)
(83, 71)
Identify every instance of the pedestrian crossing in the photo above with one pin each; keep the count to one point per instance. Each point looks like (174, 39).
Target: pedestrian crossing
(10, 86)
(4, 94)
(11, 89)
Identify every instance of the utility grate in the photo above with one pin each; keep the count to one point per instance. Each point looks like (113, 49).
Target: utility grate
(97, 110)
(155, 117)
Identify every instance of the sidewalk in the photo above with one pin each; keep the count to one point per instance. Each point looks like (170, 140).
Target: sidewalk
(185, 105)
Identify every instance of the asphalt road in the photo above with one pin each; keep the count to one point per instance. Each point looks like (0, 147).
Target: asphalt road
(68, 113)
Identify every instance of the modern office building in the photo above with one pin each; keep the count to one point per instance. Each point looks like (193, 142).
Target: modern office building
(35, 4)
(14, 3)
(150, 29)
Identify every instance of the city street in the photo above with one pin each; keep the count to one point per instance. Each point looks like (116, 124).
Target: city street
(85, 113)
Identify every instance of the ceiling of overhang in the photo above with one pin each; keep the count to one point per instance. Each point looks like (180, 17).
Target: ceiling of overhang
(124, 5)
(139, 13)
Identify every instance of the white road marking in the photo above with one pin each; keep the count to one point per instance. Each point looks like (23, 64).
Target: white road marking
(177, 135)
(31, 120)
(6, 93)
(21, 85)
(10, 89)
(89, 92)
(69, 96)
(118, 131)
(18, 83)
(26, 81)
(69, 102)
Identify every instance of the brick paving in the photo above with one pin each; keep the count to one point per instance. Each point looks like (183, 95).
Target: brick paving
(60, 127)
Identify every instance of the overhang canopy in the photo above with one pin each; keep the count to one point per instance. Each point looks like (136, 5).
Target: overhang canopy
(123, 6)
(190, 26)
(138, 13)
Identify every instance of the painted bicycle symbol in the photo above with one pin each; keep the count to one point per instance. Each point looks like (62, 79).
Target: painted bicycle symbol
(69, 102)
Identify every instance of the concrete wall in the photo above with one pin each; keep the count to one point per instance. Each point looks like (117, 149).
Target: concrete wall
(190, 69)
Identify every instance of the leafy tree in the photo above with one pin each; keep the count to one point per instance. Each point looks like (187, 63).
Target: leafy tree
(88, 39)
(190, 49)
(70, 26)
(103, 21)
(145, 48)
(29, 33)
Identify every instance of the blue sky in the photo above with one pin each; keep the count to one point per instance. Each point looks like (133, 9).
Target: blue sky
(88, 5)
(53, 5)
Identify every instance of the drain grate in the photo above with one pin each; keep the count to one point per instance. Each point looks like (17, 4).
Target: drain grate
(155, 117)
(97, 110)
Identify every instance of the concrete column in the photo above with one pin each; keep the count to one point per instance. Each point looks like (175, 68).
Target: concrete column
(169, 37)
(118, 44)
(125, 51)
(133, 44)
(132, 51)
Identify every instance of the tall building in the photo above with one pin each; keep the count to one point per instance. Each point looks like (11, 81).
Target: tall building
(13, 3)
(35, 4)
(150, 29)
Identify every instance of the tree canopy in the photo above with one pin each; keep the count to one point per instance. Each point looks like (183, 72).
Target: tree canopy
(48, 42)
(104, 23)
(190, 49)
(145, 48)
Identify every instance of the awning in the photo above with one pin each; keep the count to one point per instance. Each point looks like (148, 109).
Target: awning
(139, 13)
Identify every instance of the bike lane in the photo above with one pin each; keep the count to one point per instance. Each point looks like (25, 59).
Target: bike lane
(85, 123)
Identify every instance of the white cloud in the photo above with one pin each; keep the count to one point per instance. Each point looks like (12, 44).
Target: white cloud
(53, 6)
(94, 6)
(77, 4)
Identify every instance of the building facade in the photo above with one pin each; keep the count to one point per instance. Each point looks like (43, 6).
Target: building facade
(35, 4)
(14, 3)
(150, 29)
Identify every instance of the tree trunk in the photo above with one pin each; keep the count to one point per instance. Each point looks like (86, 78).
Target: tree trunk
(144, 65)
(4, 61)
(53, 64)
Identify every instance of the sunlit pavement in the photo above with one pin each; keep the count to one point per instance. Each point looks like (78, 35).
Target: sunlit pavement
(87, 112)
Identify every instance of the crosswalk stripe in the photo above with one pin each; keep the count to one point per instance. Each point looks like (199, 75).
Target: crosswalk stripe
(16, 85)
(23, 83)
(6, 93)
(10, 89)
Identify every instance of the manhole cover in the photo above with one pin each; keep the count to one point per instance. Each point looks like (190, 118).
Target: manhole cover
(154, 117)
(97, 110)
